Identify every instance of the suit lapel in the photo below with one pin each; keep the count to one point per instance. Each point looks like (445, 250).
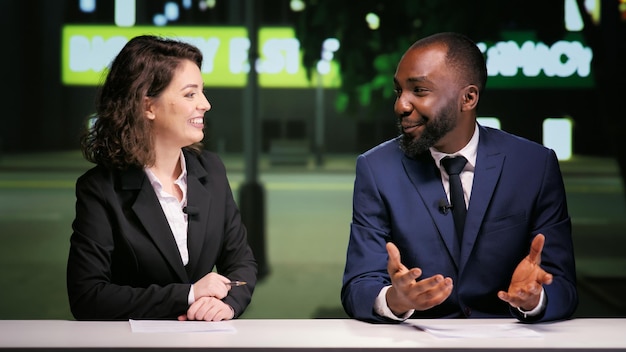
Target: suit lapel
(148, 210)
(426, 178)
(489, 163)
(198, 197)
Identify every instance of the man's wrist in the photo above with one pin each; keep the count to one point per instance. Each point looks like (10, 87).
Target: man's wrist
(381, 307)
(538, 309)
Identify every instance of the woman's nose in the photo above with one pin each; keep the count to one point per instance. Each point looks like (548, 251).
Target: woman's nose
(205, 104)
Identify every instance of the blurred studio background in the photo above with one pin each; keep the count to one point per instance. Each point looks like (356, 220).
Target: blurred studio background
(289, 130)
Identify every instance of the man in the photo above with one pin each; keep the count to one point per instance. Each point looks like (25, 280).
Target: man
(512, 255)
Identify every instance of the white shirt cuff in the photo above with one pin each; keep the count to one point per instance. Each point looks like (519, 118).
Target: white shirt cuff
(191, 297)
(538, 309)
(381, 308)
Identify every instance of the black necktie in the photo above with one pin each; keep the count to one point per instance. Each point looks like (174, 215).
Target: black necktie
(453, 166)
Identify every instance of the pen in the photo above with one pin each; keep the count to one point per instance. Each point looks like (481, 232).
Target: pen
(236, 283)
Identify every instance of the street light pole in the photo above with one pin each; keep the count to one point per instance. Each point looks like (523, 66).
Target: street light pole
(319, 120)
(252, 197)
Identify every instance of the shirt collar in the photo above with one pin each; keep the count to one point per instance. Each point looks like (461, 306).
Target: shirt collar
(181, 180)
(469, 151)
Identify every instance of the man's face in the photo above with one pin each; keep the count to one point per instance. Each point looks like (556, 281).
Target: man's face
(426, 98)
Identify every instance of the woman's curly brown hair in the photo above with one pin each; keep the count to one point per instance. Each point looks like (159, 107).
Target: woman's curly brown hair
(121, 136)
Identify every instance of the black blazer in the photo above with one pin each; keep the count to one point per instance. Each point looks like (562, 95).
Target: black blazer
(123, 261)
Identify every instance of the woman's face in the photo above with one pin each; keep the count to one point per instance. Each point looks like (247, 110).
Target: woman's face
(178, 112)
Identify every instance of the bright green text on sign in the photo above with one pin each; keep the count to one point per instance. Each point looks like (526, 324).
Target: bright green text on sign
(88, 50)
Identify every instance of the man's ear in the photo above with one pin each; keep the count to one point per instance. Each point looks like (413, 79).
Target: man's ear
(148, 108)
(469, 100)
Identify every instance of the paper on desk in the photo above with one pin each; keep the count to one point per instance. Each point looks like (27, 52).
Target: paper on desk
(512, 330)
(179, 326)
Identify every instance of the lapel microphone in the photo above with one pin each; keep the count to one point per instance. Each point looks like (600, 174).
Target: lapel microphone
(191, 210)
(444, 206)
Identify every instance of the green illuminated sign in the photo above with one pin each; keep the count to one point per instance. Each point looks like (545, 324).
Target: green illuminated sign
(519, 61)
(88, 50)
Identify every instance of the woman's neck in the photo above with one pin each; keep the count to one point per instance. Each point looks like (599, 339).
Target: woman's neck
(167, 166)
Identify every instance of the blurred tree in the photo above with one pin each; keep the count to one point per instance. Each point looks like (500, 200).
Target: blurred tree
(368, 57)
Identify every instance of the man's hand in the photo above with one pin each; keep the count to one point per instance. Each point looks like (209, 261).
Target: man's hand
(528, 279)
(405, 293)
(211, 285)
(208, 309)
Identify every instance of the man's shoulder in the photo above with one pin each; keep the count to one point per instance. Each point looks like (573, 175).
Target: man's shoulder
(385, 149)
(509, 141)
(384, 157)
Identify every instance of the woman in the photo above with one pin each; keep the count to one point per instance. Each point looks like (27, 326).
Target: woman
(157, 233)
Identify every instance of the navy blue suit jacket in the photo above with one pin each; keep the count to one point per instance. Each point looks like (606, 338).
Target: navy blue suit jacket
(123, 261)
(517, 193)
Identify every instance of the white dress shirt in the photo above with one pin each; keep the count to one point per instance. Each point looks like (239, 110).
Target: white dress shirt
(173, 210)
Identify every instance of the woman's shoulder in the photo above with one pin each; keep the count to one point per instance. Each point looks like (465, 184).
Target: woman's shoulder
(96, 172)
(101, 176)
(204, 156)
(204, 159)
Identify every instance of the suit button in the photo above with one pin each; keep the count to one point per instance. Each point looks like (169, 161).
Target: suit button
(467, 311)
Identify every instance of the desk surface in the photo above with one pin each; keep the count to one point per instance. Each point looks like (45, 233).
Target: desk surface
(317, 334)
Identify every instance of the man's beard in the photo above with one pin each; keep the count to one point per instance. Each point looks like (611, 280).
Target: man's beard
(434, 130)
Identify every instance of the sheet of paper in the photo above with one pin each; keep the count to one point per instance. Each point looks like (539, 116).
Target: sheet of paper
(478, 330)
(180, 326)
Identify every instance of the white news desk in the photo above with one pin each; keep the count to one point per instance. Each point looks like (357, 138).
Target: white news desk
(316, 334)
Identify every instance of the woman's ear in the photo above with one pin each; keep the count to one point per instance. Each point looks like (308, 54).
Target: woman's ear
(469, 101)
(149, 109)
